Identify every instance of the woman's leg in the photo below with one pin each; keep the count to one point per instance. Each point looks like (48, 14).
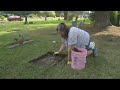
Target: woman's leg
(94, 52)
(89, 52)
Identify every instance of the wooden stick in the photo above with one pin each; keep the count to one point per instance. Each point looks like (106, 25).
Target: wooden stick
(15, 45)
(27, 41)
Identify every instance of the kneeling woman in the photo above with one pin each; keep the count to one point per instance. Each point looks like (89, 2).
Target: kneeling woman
(74, 38)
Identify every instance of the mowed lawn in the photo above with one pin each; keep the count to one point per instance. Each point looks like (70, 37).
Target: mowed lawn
(14, 63)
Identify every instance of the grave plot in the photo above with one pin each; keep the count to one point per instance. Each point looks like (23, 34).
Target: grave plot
(48, 59)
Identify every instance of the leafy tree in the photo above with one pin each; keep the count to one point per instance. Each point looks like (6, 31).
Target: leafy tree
(58, 13)
(92, 16)
(71, 15)
(47, 13)
(2, 17)
(21, 13)
(114, 17)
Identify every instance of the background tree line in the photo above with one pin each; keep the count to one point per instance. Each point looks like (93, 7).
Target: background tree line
(98, 18)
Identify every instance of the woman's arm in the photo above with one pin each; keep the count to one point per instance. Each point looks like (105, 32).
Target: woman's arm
(69, 53)
(70, 47)
(62, 48)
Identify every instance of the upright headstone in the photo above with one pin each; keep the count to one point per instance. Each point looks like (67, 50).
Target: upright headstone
(74, 23)
(81, 24)
(45, 18)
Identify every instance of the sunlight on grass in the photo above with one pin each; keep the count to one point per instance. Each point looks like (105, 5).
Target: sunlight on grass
(3, 32)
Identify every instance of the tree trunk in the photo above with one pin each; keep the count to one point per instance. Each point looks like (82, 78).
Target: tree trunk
(57, 13)
(65, 15)
(26, 22)
(102, 19)
(45, 18)
(76, 18)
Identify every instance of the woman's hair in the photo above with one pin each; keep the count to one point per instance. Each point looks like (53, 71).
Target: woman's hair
(62, 27)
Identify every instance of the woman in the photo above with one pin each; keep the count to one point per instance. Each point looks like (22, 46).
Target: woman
(74, 38)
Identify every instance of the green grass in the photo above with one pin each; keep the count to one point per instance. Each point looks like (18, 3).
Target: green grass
(14, 63)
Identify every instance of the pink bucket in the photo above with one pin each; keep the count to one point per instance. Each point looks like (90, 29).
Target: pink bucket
(78, 59)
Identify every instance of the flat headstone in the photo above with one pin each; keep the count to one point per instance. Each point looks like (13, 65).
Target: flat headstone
(81, 24)
(15, 45)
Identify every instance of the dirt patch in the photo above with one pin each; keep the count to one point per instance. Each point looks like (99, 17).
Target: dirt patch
(110, 34)
(47, 59)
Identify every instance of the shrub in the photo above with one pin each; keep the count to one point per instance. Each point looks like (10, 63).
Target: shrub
(47, 13)
(2, 17)
(114, 17)
(92, 16)
(70, 16)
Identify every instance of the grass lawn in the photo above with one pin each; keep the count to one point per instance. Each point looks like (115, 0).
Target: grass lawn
(14, 63)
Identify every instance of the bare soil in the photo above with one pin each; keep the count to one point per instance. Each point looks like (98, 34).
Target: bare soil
(48, 59)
